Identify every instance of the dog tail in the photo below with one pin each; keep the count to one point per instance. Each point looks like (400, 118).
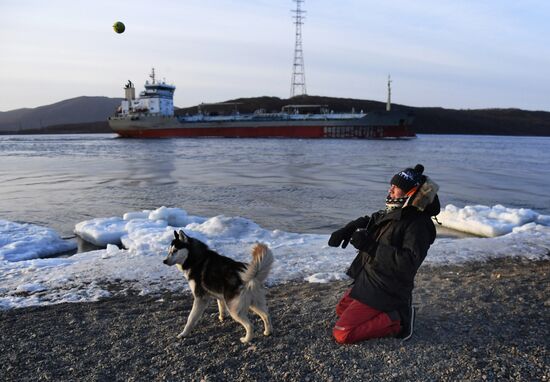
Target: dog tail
(258, 269)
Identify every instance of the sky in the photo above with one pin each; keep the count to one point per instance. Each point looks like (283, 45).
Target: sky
(455, 54)
(27, 280)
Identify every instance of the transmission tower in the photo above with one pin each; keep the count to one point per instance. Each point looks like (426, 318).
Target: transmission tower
(298, 83)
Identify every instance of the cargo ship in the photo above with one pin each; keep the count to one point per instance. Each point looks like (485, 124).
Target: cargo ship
(151, 115)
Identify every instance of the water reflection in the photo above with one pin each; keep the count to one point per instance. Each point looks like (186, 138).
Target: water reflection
(293, 185)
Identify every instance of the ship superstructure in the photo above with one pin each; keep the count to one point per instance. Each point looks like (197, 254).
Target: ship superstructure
(156, 100)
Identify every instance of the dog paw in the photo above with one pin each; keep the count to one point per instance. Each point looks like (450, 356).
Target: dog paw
(221, 318)
(267, 333)
(245, 340)
(182, 335)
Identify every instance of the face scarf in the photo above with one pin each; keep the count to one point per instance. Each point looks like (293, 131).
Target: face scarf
(393, 204)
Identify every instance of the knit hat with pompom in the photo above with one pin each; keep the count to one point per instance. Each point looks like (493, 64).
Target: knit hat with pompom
(408, 178)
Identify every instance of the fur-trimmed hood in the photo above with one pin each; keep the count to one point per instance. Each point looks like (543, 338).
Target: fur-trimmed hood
(425, 198)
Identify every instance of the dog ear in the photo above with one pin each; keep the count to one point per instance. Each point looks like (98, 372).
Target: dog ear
(176, 234)
(183, 237)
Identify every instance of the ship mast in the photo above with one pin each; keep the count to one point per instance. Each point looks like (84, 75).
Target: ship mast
(388, 104)
(152, 75)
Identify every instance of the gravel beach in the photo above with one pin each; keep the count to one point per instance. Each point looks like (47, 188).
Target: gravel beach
(480, 321)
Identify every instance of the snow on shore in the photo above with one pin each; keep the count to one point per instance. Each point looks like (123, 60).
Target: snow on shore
(489, 221)
(28, 279)
(28, 241)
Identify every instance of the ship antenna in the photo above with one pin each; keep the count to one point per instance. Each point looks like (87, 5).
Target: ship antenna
(298, 84)
(152, 75)
(388, 105)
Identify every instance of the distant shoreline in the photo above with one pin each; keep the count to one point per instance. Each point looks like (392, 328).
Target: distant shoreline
(100, 127)
(65, 117)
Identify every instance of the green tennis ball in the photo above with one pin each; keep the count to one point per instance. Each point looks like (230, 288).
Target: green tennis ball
(119, 27)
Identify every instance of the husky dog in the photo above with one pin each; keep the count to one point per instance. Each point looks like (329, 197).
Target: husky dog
(237, 286)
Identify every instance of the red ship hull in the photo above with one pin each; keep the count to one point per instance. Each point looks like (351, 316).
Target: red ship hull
(376, 126)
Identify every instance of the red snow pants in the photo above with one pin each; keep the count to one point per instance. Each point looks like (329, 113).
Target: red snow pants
(358, 321)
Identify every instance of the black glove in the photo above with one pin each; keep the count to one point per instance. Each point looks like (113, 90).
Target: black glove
(343, 235)
(363, 241)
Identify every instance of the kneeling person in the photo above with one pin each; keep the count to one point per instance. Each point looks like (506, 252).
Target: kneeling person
(392, 245)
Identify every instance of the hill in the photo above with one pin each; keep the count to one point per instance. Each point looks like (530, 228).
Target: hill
(481, 121)
(71, 111)
(90, 114)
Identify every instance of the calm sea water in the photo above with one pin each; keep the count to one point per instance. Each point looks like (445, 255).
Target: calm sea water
(292, 185)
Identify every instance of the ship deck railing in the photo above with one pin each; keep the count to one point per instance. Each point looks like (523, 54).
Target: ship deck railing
(270, 117)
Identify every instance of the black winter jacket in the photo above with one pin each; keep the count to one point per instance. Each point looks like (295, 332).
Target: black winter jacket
(384, 278)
